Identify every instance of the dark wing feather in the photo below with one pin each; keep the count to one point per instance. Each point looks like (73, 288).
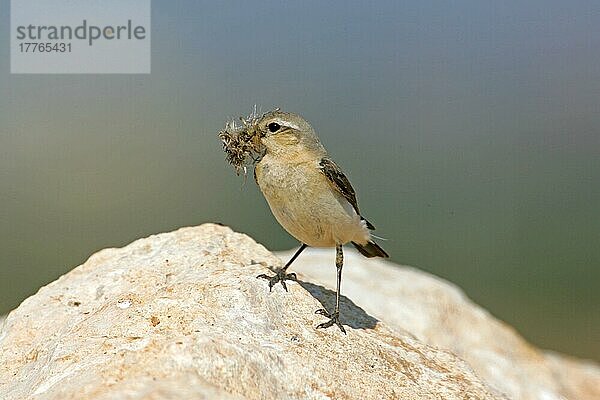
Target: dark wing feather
(340, 183)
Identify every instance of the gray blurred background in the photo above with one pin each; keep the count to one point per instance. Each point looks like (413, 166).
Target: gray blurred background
(470, 130)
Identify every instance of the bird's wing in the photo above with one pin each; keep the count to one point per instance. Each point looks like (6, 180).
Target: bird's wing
(341, 184)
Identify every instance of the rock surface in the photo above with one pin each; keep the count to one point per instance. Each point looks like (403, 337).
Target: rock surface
(439, 314)
(181, 315)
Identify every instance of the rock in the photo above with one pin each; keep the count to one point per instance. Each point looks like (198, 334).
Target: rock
(181, 315)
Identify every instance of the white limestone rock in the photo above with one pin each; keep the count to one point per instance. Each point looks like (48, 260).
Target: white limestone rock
(181, 315)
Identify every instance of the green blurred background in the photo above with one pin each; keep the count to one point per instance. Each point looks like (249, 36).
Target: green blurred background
(471, 131)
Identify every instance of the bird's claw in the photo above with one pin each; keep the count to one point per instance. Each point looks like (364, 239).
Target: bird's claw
(333, 319)
(280, 276)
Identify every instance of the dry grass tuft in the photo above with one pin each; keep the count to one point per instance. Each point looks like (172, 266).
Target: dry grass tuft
(241, 141)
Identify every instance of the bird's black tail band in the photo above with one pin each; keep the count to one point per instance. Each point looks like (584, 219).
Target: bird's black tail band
(371, 249)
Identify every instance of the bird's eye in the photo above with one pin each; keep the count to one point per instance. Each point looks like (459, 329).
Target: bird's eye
(274, 126)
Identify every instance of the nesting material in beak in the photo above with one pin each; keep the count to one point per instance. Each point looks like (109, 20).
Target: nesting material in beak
(241, 142)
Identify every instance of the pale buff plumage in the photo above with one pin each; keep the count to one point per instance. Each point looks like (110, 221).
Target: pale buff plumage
(302, 198)
(308, 193)
(304, 203)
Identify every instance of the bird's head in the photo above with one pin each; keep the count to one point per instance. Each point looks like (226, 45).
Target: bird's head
(275, 132)
(285, 133)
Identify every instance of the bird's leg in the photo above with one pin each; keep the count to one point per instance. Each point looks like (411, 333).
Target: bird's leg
(281, 275)
(335, 317)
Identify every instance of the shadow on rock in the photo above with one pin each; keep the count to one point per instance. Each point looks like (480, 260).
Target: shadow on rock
(350, 314)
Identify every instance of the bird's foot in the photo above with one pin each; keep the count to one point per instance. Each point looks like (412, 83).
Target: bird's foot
(280, 276)
(333, 319)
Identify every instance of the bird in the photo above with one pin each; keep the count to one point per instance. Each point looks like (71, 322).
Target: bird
(310, 197)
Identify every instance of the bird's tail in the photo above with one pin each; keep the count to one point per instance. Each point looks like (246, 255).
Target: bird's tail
(371, 249)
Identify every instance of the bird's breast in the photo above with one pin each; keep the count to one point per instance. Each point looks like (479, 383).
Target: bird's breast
(277, 179)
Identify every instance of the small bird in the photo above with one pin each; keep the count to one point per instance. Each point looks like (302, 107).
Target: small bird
(309, 196)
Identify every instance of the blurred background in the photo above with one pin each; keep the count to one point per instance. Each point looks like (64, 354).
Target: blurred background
(470, 130)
